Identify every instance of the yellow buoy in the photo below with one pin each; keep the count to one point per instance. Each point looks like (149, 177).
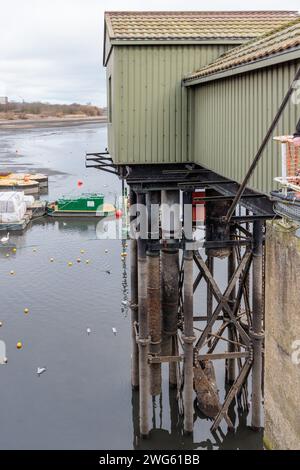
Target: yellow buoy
(19, 345)
(7, 255)
(26, 310)
(126, 245)
(70, 263)
(14, 250)
(12, 272)
(123, 254)
(81, 251)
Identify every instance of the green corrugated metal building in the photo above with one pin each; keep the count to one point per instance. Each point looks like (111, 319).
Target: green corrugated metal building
(234, 101)
(147, 54)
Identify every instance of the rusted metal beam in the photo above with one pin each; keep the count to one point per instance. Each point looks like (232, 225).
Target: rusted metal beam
(163, 359)
(232, 393)
(225, 355)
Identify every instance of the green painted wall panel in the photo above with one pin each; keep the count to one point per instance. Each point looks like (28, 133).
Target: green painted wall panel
(231, 117)
(150, 106)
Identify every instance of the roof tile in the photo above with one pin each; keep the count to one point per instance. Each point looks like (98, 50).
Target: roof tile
(278, 41)
(189, 25)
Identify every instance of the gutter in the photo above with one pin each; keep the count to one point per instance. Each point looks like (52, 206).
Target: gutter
(292, 54)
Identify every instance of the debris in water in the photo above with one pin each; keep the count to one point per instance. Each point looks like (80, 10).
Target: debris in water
(87, 261)
(88, 330)
(12, 272)
(125, 302)
(123, 254)
(40, 370)
(34, 250)
(114, 330)
(108, 272)
(1, 324)
(105, 251)
(51, 260)
(19, 345)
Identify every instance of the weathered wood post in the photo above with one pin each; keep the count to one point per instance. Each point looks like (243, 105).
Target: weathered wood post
(153, 288)
(257, 318)
(188, 331)
(143, 339)
(134, 300)
(170, 275)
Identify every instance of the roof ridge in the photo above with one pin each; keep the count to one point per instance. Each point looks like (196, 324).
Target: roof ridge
(153, 12)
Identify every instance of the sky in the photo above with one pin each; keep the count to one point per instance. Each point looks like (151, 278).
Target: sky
(51, 50)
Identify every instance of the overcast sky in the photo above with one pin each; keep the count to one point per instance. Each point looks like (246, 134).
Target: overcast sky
(51, 50)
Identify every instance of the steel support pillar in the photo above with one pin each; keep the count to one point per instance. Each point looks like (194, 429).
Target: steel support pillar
(143, 337)
(257, 322)
(170, 277)
(188, 331)
(134, 303)
(153, 288)
(230, 363)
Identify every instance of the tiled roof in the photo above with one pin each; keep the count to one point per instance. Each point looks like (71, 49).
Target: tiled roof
(190, 25)
(277, 42)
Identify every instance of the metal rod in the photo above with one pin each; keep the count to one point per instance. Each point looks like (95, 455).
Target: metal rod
(134, 303)
(144, 338)
(257, 318)
(261, 148)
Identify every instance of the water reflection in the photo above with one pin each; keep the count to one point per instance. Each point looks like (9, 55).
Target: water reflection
(174, 438)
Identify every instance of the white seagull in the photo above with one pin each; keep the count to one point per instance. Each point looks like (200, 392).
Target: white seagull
(5, 239)
(40, 370)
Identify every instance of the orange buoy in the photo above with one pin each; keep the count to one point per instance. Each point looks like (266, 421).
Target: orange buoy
(119, 213)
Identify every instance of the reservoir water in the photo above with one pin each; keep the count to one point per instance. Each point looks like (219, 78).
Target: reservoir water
(84, 399)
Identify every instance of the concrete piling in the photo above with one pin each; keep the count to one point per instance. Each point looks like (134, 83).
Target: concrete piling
(257, 319)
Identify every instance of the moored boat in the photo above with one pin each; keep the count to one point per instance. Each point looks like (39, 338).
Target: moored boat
(86, 205)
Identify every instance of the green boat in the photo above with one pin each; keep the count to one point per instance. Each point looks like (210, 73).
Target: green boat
(86, 205)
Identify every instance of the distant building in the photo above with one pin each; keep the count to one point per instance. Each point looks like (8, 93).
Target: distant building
(3, 100)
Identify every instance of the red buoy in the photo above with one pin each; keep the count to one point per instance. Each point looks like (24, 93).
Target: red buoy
(79, 183)
(119, 213)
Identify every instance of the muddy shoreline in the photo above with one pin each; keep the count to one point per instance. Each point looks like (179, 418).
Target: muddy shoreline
(49, 122)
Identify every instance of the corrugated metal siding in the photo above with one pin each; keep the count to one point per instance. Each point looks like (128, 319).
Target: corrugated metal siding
(231, 117)
(150, 123)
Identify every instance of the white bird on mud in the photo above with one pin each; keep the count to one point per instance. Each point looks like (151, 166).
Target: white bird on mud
(5, 239)
(40, 370)
(114, 330)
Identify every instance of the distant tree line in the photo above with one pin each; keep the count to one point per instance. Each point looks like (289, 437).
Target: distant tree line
(22, 109)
